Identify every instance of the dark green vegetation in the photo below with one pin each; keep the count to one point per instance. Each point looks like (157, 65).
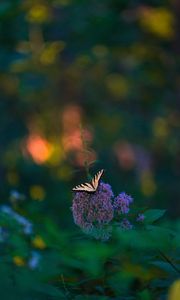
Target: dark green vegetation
(88, 85)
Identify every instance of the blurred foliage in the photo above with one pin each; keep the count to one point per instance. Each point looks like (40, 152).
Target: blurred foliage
(90, 84)
(135, 264)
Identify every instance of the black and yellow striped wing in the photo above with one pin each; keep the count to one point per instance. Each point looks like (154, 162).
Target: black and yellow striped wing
(89, 187)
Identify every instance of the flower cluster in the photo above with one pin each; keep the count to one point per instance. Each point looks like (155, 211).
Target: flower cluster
(125, 224)
(33, 261)
(122, 202)
(140, 218)
(94, 212)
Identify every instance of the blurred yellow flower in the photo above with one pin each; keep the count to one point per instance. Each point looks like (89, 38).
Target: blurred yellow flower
(37, 192)
(82, 61)
(50, 52)
(158, 21)
(38, 242)
(19, 261)
(160, 127)
(148, 186)
(118, 85)
(100, 50)
(174, 291)
(39, 13)
(57, 155)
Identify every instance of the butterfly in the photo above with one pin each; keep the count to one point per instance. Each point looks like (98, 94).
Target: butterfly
(90, 187)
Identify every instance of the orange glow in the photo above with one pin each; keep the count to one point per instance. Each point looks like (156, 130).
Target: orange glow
(71, 120)
(71, 117)
(125, 155)
(73, 136)
(72, 141)
(39, 148)
(82, 157)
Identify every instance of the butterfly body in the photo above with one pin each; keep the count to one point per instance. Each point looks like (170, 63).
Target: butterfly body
(89, 187)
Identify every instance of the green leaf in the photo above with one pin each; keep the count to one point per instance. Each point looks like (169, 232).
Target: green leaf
(153, 215)
(90, 297)
(144, 295)
(165, 266)
(50, 290)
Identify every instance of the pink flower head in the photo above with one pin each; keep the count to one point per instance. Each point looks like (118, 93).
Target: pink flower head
(93, 210)
(122, 202)
(125, 224)
(140, 218)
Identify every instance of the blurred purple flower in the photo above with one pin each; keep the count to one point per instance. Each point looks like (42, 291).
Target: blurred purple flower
(28, 228)
(3, 234)
(122, 202)
(7, 209)
(16, 196)
(93, 210)
(34, 260)
(27, 225)
(140, 218)
(125, 224)
(143, 159)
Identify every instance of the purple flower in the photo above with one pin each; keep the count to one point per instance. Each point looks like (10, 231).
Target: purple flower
(34, 260)
(93, 210)
(122, 202)
(140, 218)
(28, 228)
(16, 196)
(26, 224)
(125, 224)
(3, 234)
(7, 210)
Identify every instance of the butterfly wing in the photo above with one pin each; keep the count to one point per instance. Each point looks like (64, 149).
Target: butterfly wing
(85, 187)
(96, 178)
(89, 187)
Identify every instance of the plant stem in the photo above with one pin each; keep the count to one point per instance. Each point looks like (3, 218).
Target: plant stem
(64, 286)
(167, 259)
(85, 151)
